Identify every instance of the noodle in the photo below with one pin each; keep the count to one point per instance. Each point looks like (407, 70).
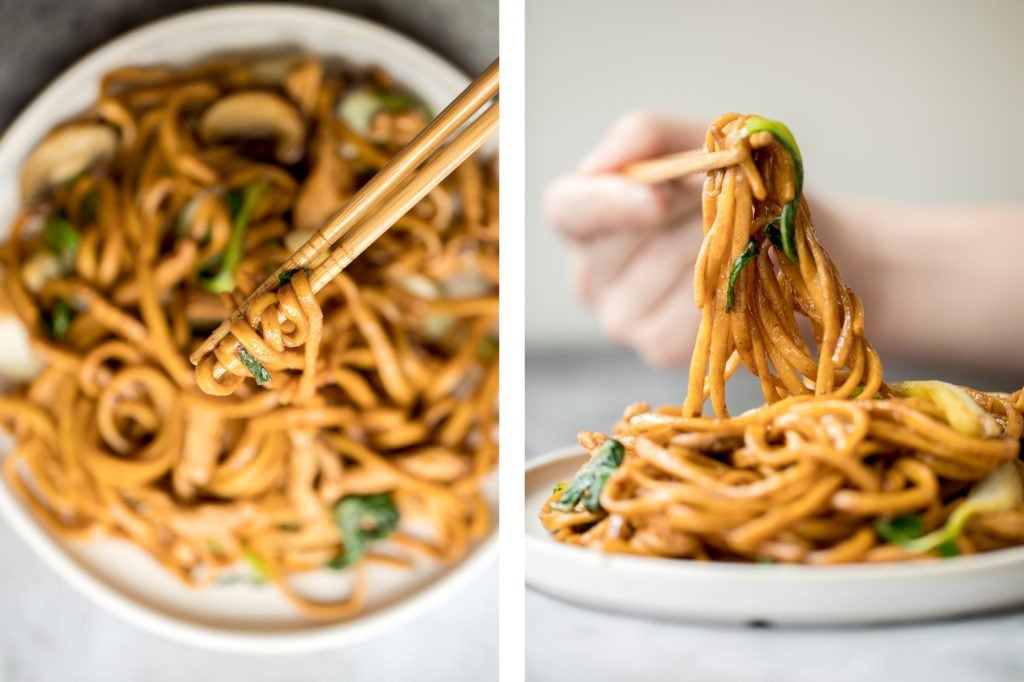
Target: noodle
(837, 466)
(146, 222)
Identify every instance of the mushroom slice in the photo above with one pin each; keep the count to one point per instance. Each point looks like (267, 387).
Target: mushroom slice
(303, 84)
(272, 71)
(40, 268)
(65, 153)
(320, 195)
(256, 114)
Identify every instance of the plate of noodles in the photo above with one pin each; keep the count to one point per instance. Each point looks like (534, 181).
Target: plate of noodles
(334, 476)
(842, 499)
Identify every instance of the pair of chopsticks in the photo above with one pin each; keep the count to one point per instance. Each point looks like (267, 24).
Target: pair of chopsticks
(441, 147)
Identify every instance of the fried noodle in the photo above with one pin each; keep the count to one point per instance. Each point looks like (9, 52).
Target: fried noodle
(146, 221)
(837, 466)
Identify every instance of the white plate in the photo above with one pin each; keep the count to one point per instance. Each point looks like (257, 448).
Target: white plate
(117, 575)
(753, 593)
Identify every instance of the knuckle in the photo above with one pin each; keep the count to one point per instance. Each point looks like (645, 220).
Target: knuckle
(640, 128)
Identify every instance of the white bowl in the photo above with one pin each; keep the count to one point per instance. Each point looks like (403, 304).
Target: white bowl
(753, 593)
(115, 574)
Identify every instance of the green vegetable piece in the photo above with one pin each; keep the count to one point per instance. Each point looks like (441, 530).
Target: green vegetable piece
(1000, 491)
(771, 230)
(860, 389)
(487, 350)
(358, 109)
(961, 412)
(748, 255)
(589, 481)
(90, 204)
(788, 231)
(61, 237)
(259, 567)
(287, 275)
(60, 318)
(362, 519)
(258, 371)
(899, 529)
(784, 136)
(241, 205)
(558, 488)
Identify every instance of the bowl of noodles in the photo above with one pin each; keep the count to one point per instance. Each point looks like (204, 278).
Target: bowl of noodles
(144, 193)
(844, 498)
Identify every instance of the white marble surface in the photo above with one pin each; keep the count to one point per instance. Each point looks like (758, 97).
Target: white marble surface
(587, 390)
(48, 633)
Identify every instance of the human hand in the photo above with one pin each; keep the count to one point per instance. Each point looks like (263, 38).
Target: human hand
(632, 247)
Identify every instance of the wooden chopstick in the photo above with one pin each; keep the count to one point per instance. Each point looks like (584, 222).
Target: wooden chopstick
(437, 168)
(671, 166)
(395, 189)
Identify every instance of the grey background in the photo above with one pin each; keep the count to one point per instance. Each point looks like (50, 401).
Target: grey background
(909, 100)
(48, 632)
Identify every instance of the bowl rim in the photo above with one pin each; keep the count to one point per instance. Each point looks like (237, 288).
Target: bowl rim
(118, 51)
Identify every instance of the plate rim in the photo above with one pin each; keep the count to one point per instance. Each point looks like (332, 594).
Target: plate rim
(47, 547)
(683, 569)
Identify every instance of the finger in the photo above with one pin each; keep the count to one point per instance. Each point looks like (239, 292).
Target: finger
(665, 338)
(595, 264)
(639, 135)
(649, 279)
(585, 207)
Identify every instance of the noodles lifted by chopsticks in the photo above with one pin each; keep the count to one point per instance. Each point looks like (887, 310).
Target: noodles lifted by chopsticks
(146, 222)
(837, 466)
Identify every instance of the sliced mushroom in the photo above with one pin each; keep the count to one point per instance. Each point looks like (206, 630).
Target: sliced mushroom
(320, 195)
(17, 362)
(303, 84)
(468, 283)
(271, 71)
(256, 114)
(419, 285)
(40, 268)
(65, 153)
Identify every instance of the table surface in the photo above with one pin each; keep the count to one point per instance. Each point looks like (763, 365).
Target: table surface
(48, 632)
(588, 390)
